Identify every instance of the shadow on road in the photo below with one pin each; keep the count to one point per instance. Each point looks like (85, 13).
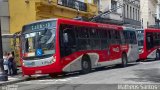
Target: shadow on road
(149, 60)
(147, 75)
(76, 74)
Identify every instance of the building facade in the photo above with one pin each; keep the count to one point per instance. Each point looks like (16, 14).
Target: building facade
(110, 5)
(131, 13)
(25, 11)
(148, 12)
(15, 14)
(157, 21)
(126, 12)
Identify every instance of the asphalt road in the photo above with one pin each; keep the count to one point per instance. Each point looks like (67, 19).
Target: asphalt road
(137, 76)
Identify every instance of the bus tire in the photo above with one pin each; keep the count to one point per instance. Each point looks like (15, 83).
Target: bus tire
(53, 75)
(85, 64)
(157, 54)
(124, 60)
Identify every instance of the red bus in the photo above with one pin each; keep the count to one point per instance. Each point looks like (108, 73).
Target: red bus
(61, 45)
(149, 43)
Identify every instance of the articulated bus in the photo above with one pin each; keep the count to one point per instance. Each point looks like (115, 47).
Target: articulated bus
(61, 45)
(149, 43)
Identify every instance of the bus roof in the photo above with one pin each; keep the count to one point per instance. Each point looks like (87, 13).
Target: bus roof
(41, 21)
(81, 23)
(91, 24)
(152, 29)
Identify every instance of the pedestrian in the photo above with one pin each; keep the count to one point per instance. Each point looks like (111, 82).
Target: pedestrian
(5, 62)
(14, 64)
(10, 63)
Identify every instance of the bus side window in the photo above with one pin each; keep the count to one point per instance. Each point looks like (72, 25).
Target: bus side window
(127, 37)
(82, 39)
(122, 37)
(94, 39)
(149, 40)
(117, 37)
(158, 38)
(109, 36)
(156, 41)
(132, 37)
(104, 39)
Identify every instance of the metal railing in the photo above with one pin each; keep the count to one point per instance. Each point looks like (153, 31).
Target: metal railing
(74, 4)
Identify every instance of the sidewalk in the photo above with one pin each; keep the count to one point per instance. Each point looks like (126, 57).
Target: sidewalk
(14, 78)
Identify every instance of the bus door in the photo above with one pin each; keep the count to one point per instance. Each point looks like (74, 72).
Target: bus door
(131, 41)
(133, 46)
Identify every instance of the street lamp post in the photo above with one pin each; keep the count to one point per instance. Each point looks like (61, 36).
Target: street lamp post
(3, 75)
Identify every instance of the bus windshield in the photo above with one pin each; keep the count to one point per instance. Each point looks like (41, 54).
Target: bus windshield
(38, 44)
(140, 37)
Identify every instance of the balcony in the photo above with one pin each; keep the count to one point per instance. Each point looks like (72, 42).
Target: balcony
(73, 4)
(132, 22)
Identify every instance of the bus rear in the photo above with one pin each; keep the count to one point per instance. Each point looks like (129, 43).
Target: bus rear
(140, 38)
(38, 48)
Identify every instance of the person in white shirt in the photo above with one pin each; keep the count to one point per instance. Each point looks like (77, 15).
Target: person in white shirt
(5, 62)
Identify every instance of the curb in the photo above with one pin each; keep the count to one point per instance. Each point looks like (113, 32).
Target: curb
(20, 80)
(11, 82)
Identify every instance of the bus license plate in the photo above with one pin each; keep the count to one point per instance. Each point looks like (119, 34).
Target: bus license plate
(38, 71)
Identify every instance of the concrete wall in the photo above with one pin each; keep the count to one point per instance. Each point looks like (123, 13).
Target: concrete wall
(4, 19)
(4, 9)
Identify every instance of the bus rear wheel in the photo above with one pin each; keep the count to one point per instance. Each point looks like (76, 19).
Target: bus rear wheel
(86, 65)
(157, 54)
(124, 60)
(53, 75)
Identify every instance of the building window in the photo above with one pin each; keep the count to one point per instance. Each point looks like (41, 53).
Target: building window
(133, 14)
(114, 5)
(124, 11)
(130, 12)
(127, 12)
(138, 15)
